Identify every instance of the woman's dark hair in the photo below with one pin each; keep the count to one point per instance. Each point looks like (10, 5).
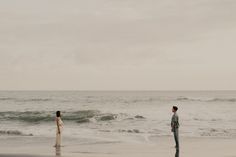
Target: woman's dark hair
(58, 113)
(175, 108)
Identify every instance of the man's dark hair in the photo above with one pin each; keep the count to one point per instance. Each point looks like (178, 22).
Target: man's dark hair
(58, 113)
(175, 108)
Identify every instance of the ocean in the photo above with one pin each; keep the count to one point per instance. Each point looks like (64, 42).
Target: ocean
(117, 115)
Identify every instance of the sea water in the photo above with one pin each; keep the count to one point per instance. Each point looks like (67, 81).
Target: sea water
(117, 115)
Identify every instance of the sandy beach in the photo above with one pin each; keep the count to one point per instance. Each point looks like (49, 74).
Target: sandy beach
(161, 146)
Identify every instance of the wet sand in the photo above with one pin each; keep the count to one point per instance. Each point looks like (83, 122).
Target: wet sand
(160, 146)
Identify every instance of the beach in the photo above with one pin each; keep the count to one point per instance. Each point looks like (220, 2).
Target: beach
(161, 146)
(117, 124)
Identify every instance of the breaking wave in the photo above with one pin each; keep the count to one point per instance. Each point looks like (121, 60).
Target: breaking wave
(82, 116)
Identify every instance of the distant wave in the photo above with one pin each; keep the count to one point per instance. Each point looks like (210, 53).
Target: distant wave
(217, 132)
(187, 99)
(36, 99)
(149, 100)
(13, 132)
(121, 100)
(207, 100)
(130, 131)
(222, 99)
(24, 100)
(213, 119)
(6, 98)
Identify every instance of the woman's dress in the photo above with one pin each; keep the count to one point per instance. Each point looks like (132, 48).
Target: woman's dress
(58, 135)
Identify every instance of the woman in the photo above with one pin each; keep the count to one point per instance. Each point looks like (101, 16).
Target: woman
(59, 124)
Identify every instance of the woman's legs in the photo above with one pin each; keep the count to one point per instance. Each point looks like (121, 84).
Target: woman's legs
(58, 140)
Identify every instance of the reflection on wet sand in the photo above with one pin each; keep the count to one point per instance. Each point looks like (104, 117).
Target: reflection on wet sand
(58, 151)
(177, 153)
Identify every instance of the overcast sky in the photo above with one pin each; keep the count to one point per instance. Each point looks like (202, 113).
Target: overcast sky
(117, 45)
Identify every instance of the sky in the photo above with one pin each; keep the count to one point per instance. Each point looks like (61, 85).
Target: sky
(117, 45)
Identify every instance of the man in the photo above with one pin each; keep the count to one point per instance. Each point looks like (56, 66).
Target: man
(175, 126)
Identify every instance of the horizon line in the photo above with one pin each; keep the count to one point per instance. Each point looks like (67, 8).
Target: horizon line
(71, 90)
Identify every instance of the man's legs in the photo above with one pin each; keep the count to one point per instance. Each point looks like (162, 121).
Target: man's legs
(176, 136)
